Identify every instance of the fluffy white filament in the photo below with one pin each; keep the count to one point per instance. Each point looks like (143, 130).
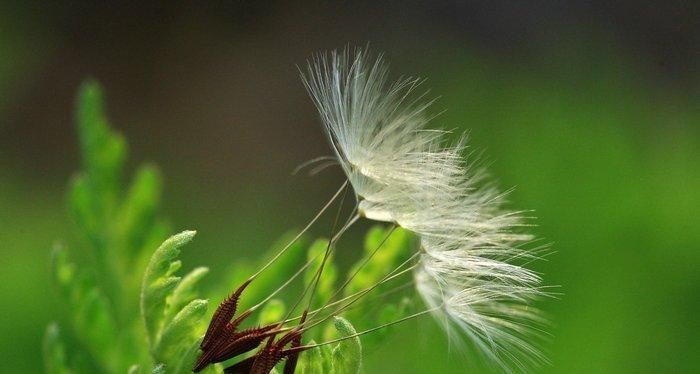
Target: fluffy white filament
(406, 173)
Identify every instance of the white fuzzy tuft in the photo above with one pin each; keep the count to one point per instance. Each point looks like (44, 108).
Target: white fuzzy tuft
(404, 172)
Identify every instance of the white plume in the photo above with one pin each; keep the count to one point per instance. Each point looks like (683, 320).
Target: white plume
(406, 173)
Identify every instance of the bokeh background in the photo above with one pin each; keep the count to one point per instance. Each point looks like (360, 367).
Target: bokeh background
(590, 109)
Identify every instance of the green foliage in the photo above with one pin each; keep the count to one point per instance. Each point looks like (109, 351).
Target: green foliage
(343, 357)
(130, 311)
(159, 282)
(384, 250)
(119, 231)
(312, 361)
(170, 311)
(93, 320)
(347, 355)
(394, 246)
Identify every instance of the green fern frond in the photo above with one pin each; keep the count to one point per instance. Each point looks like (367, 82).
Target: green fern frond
(120, 228)
(347, 355)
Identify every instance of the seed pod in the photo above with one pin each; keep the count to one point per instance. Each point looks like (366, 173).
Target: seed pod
(222, 316)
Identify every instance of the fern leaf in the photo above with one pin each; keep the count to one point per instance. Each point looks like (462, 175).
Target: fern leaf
(347, 355)
(159, 282)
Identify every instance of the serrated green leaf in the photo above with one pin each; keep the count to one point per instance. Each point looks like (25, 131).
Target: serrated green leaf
(83, 210)
(173, 268)
(103, 151)
(311, 361)
(55, 361)
(91, 314)
(158, 283)
(156, 236)
(95, 192)
(138, 211)
(106, 293)
(184, 363)
(96, 321)
(178, 335)
(184, 293)
(347, 355)
(327, 357)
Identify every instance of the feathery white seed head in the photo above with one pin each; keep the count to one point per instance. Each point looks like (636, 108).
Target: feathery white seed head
(406, 173)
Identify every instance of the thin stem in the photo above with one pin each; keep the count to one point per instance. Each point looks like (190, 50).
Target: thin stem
(366, 260)
(353, 276)
(285, 284)
(359, 293)
(381, 297)
(332, 241)
(367, 290)
(415, 315)
(319, 272)
(294, 276)
(313, 220)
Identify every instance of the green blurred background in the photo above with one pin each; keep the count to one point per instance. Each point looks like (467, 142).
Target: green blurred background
(591, 110)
